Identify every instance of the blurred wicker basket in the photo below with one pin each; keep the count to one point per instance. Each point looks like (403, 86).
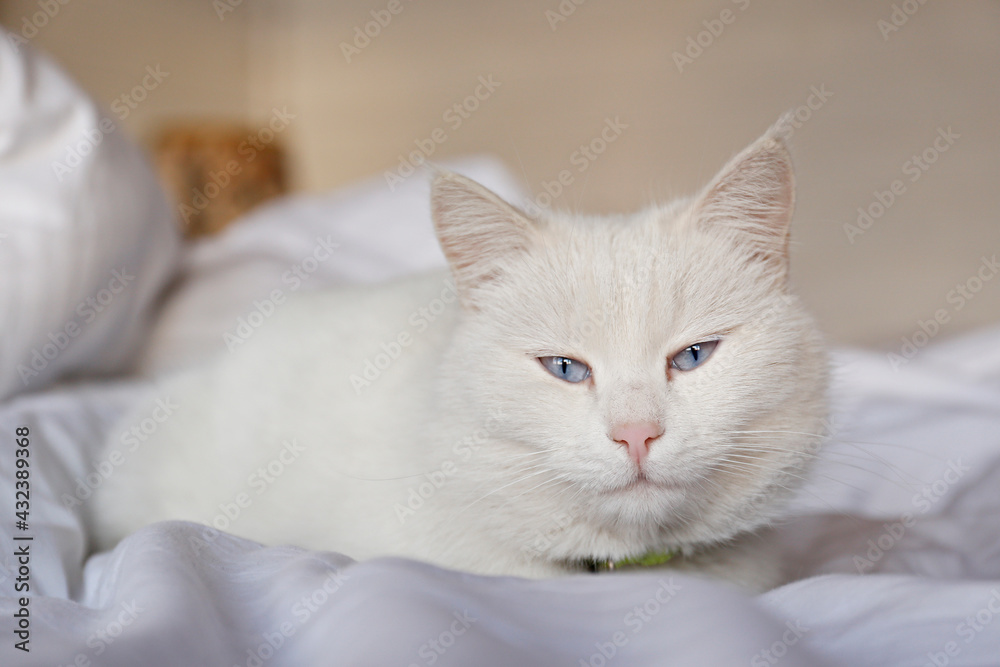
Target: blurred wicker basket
(217, 172)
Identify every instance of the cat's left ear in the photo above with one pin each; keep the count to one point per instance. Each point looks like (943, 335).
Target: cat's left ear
(752, 199)
(477, 230)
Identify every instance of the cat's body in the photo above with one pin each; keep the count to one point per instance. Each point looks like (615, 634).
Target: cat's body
(417, 419)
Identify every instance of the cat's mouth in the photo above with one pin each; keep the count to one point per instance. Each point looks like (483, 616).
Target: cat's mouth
(643, 484)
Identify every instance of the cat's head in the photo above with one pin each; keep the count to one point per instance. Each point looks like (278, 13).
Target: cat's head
(657, 380)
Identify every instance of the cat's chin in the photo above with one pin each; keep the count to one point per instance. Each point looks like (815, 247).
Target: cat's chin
(642, 500)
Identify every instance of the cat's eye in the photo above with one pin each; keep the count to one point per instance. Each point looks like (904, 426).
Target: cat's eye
(691, 357)
(565, 368)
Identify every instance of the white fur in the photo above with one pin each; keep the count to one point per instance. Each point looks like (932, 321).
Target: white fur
(507, 469)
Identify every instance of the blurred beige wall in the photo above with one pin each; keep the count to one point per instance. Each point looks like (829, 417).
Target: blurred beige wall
(108, 44)
(691, 82)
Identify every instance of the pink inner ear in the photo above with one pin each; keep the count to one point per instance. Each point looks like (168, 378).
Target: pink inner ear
(476, 229)
(637, 438)
(753, 197)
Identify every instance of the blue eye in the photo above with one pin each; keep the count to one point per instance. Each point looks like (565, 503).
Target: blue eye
(691, 357)
(565, 368)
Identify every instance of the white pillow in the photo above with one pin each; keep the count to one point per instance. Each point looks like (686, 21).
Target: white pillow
(87, 238)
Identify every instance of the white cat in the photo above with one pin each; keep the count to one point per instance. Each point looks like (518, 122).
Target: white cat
(576, 391)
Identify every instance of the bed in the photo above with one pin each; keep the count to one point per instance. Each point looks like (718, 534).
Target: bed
(894, 540)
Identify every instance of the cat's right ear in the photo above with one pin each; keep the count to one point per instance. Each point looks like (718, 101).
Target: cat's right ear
(752, 199)
(477, 230)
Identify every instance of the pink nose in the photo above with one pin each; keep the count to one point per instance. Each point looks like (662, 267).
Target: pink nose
(637, 438)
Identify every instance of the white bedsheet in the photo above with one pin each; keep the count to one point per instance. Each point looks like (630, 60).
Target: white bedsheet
(922, 443)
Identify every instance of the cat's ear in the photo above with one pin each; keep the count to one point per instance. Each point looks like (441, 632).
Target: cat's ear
(752, 199)
(476, 228)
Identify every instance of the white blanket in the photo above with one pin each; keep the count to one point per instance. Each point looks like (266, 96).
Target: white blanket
(896, 537)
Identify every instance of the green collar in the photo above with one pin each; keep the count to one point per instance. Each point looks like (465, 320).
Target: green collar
(648, 559)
